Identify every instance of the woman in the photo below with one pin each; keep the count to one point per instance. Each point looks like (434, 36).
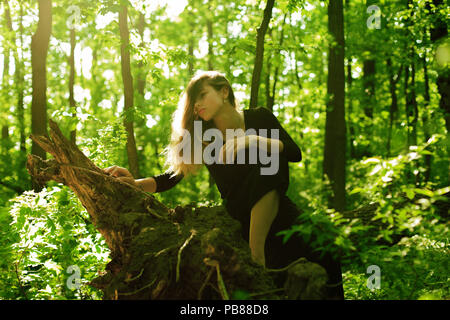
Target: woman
(256, 199)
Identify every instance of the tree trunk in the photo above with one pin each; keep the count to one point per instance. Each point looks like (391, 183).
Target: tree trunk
(415, 110)
(142, 71)
(425, 119)
(393, 109)
(191, 44)
(72, 105)
(335, 128)
(349, 112)
(259, 57)
(6, 46)
(39, 47)
(141, 76)
(368, 105)
(128, 91)
(271, 91)
(369, 87)
(163, 253)
(209, 28)
(5, 79)
(209, 35)
(406, 93)
(351, 128)
(19, 77)
(368, 101)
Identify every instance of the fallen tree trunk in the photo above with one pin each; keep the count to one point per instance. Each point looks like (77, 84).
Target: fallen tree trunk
(163, 253)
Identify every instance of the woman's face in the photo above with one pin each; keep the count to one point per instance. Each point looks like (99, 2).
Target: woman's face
(208, 102)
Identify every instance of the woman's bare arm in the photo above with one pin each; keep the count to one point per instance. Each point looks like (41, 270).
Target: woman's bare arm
(147, 184)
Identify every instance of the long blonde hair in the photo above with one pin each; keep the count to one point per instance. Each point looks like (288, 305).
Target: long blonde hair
(183, 119)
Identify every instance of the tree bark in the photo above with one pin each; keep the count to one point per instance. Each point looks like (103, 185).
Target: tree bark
(369, 85)
(425, 119)
(335, 129)
(393, 108)
(271, 90)
(191, 44)
(209, 35)
(5, 78)
(72, 105)
(259, 57)
(351, 129)
(127, 79)
(209, 28)
(39, 48)
(142, 71)
(19, 77)
(415, 109)
(163, 253)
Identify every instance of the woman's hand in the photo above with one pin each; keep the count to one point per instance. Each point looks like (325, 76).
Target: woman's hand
(232, 146)
(121, 173)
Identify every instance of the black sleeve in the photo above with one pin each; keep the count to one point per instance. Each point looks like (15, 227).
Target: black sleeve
(167, 181)
(291, 150)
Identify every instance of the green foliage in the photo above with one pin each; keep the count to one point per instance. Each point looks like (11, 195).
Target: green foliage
(406, 236)
(106, 146)
(43, 234)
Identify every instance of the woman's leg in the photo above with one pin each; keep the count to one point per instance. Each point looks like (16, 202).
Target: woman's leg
(262, 215)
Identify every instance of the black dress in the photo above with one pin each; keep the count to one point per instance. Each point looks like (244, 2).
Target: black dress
(242, 185)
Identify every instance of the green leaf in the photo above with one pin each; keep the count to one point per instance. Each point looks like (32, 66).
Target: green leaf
(442, 191)
(424, 192)
(410, 194)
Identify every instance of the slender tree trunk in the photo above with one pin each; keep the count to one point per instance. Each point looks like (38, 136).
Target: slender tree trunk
(259, 57)
(209, 28)
(269, 97)
(73, 133)
(269, 57)
(425, 120)
(349, 112)
(39, 48)
(368, 102)
(369, 87)
(97, 82)
(271, 90)
(5, 132)
(350, 109)
(142, 72)
(407, 101)
(335, 128)
(128, 91)
(414, 109)
(19, 76)
(6, 88)
(141, 75)
(369, 72)
(191, 40)
(393, 109)
(300, 87)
